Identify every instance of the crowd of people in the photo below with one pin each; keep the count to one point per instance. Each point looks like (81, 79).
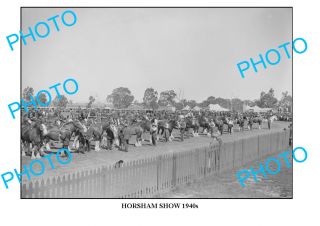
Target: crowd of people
(114, 128)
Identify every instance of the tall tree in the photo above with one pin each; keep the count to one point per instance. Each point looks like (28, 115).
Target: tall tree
(62, 103)
(27, 92)
(178, 105)
(250, 103)
(225, 103)
(42, 98)
(136, 102)
(237, 104)
(91, 100)
(191, 103)
(184, 102)
(286, 101)
(121, 97)
(209, 100)
(150, 98)
(267, 100)
(167, 98)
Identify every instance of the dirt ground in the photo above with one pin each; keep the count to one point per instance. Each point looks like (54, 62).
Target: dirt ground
(94, 159)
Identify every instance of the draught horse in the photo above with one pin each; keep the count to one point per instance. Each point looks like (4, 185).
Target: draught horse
(146, 126)
(134, 130)
(64, 133)
(204, 123)
(166, 127)
(193, 124)
(95, 133)
(225, 121)
(257, 120)
(32, 134)
(219, 123)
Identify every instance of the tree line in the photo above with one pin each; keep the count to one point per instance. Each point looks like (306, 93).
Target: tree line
(122, 98)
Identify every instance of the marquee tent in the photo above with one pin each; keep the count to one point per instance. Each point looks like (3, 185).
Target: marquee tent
(136, 107)
(216, 107)
(186, 108)
(196, 108)
(166, 108)
(257, 109)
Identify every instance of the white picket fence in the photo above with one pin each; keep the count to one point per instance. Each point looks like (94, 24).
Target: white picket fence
(153, 176)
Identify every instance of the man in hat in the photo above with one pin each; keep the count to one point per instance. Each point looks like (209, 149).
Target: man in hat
(166, 131)
(291, 134)
(121, 138)
(269, 122)
(124, 137)
(211, 125)
(154, 129)
(250, 123)
(110, 137)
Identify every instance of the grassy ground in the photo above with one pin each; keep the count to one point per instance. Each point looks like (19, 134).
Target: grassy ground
(226, 185)
(93, 159)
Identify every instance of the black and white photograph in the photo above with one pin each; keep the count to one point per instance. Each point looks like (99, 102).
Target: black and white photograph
(156, 103)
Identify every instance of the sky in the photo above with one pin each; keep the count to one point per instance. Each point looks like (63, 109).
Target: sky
(194, 51)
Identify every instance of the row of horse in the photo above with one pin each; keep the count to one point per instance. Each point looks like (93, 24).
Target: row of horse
(37, 136)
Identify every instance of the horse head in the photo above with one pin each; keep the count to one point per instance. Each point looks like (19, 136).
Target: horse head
(79, 126)
(89, 133)
(39, 126)
(58, 122)
(43, 129)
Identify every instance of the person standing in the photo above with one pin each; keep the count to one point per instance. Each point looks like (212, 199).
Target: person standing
(110, 137)
(291, 134)
(269, 122)
(211, 126)
(182, 128)
(124, 136)
(126, 133)
(241, 123)
(166, 132)
(250, 123)
(154, 129)
(121, 139)
(154, 135)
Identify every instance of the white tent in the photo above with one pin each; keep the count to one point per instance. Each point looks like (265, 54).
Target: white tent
(254, 108)
(265, 109)
(257, 109)
(196, 108)
(171, 108)
(216, 107)
(166, 108)
(186, 108)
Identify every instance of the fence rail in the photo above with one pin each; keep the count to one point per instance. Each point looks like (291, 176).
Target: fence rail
(152, 176)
